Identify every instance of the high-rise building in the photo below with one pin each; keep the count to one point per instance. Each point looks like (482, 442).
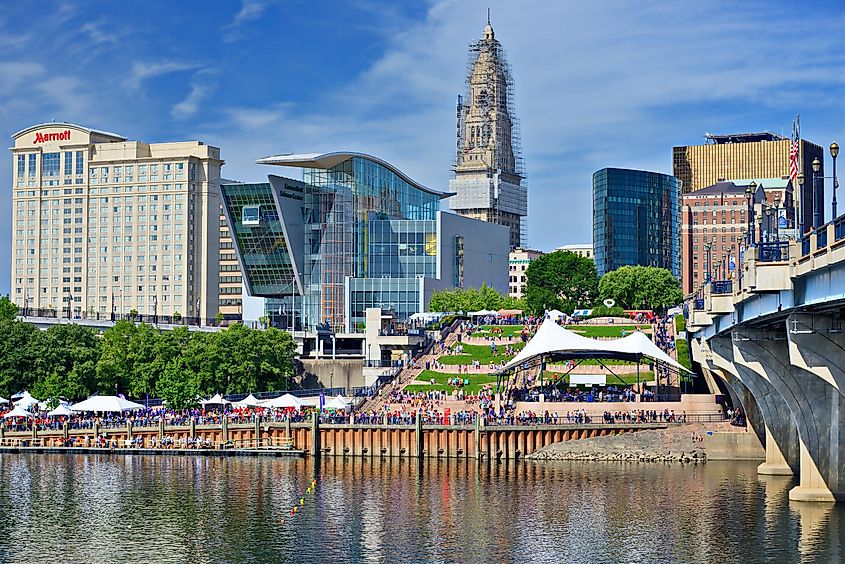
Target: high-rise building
(750, 155)
(107, 227)
(636, 217)
(230, 303)
(354, 233)
(488, 181)
(518, 261)
(718, 216)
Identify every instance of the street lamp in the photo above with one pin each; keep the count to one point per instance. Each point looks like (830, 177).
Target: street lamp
(817, 165)
(801, 201)
(739, 257)
(777, 216)
(834, 152)
(707, 247)
(760, 225)
(769, 213)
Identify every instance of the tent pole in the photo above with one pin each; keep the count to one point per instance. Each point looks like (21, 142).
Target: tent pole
(639, 389)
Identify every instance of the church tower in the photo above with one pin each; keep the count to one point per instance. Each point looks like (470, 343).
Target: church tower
(488, 181)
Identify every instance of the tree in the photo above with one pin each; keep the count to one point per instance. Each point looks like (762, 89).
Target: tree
(560, 280)
(641, 287)
(177, 317)
(17, 355)
(115, 364)
(8, 310)
(471, 299)
(178, 385)
(67, 358)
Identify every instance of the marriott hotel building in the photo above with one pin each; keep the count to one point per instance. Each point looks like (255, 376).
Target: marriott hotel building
(103, 226)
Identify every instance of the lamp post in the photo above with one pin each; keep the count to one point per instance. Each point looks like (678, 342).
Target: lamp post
(769, 213)
(739, 257)
(777, 217)
(707, 247)
(760, 225)
(155, 310)
(801, 202)
(834, 152)
(817, 165)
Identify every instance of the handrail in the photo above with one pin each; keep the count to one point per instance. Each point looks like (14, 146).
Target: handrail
(722, 287)
(773, 251)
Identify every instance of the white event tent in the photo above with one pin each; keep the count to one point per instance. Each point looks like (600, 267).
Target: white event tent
(3, 401)
(26, 401)
(61, 411)
(18, 411)
(249, 401)
(483, 313)
(283, 402)
(552, 339)
(216, 400)
(336, 402)
(101, 404)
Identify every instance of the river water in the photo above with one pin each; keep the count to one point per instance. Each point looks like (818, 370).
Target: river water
(115, 508)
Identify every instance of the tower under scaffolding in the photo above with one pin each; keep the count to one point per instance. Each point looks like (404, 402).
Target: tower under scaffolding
(489, 180)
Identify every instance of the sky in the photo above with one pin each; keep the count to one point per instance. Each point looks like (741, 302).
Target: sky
(610, 83)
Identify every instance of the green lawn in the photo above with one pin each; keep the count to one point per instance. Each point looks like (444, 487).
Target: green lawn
(477, 381)
(507, 330)
(481, 353)
(680, 323)
(682, 348)
(603, 330)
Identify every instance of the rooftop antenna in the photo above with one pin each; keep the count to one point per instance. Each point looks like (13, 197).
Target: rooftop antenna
(488, 15)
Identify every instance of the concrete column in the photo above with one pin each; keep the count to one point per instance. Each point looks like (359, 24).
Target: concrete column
(129, 430)
(287, 427)
(816, 405)
(160, 430)
(64, 431)
(780, 436)
(256, 421)
(225, 428)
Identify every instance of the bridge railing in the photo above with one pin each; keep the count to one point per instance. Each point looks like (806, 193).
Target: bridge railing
(773, 251)
(839, 228)
(722, 287)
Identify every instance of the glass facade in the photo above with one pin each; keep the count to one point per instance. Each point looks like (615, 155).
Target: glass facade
(260, 239)
(361, 222)
(636, 219)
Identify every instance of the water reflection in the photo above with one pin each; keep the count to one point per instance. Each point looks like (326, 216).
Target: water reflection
(177, 509)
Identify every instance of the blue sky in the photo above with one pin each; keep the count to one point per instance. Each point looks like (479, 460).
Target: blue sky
(611, 83)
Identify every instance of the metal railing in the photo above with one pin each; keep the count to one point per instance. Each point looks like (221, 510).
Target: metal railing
(821, 237)
(774, 251)
(839, 228)
(722, 287)
(805, 245)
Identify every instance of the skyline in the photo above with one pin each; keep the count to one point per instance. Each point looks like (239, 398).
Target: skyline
(393, 92)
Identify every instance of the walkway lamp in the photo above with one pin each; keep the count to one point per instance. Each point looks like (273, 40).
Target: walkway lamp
(777, 216)
(801, 202)
(834, 152)
(707, 247)
(760, 225)
(817, 165)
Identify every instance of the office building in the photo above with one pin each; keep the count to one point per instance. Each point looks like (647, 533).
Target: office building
(354, 233)
(582, 250)
(488, 182)
(636, 217)
(230, 302)
(750, 155)
(718, 216)
(103, 226)
(518, 261)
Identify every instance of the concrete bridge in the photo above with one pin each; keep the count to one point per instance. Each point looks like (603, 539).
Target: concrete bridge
(772, 338)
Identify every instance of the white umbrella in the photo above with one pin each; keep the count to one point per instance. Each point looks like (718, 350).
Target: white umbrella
(17, 412)
(26, 400)
(249, 401)
(336, 402)
(106, 403)
(216, 400)
(284, 401)
(61, 411)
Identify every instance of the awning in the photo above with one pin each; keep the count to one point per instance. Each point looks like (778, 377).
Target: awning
(102, 404)
(18, 412)
(216, 400)
(249, 401)
(551, 338)
(283, 402)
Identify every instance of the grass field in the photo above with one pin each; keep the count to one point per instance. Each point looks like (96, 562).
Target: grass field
(481, 353)
(682, 348)
(603, 330)
(507, 330)
(476, 381)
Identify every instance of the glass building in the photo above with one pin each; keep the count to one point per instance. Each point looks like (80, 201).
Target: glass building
(636, 219)
(354, 233)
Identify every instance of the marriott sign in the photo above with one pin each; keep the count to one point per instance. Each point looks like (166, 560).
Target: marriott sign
(44, 137)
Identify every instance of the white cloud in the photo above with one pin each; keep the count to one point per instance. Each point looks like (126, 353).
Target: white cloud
(251, 10)
(142, 71)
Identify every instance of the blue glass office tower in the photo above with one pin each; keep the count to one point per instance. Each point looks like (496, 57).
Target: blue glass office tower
(636, 219)
(354, 233)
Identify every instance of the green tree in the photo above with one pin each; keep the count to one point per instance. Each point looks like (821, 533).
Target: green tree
(8, 310)
(641, 287)
(115, 364)
(66, 360)
(470, 299)
(560, 280)
(18, 368)
(179, 385)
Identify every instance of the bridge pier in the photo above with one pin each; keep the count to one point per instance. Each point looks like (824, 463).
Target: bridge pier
(779, 429)
(817, 408)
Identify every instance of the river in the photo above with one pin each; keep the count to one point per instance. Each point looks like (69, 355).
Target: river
(115, 508)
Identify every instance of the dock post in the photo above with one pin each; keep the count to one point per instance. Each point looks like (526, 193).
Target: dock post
(160, 429)
(315, 435)
(419, 437)
(477, 437)
(225, 429)
(129, 430)
(287, 428)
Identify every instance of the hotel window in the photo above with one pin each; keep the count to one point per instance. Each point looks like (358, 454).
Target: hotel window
(68, 163)
(21, 165)
(79, 162)
(31, 165)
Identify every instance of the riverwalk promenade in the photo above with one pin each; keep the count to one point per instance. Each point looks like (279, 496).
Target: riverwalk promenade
(319, 439)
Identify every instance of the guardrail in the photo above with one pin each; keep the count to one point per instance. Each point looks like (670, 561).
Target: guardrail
(722, 287)
(805, 245)
(774, 251)
(839, 228)
(821, 237)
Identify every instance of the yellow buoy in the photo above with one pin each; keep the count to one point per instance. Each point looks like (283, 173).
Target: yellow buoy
(302, 501)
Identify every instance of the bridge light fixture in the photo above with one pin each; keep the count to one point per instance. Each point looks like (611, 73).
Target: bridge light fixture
(834, 150)
(817, 164)
(801, 178)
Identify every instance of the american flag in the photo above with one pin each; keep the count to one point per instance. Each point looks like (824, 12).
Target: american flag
(793, 150)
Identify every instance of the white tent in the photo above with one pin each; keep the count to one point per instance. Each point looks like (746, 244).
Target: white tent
(106, 403)
(551, 338)
(17, 412)
(283, 402)
(61, 411)
(555, 314)
(483, 313)
(216, 400)
(249, 401)
(337, 402)
(2, 401)
(26, 401)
